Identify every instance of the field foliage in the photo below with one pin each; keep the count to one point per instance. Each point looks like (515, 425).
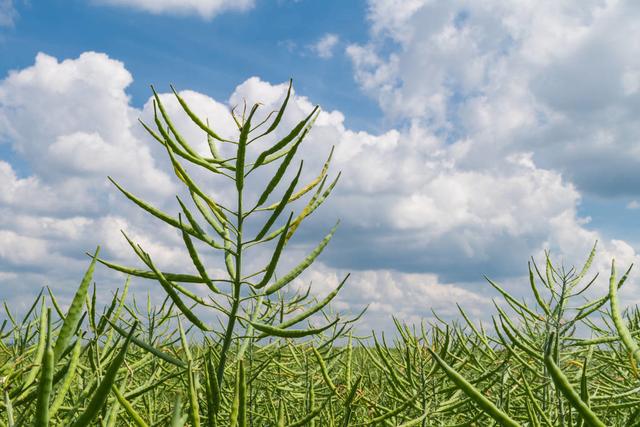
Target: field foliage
(274, 355)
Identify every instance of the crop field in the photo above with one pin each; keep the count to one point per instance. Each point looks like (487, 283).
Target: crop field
(278, 356)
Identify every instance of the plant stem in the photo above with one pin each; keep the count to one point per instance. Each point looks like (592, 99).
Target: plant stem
(236, 292)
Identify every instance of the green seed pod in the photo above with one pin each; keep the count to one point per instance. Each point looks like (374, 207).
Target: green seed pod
(242, 395)
(46, 379)
(349, 403)
(42, 343)
(295, 272)
(194, 407)
(68, 379)
(75, 310)
(242, 148)
(131, 412)
(160, 354)
(275, 331)
(9, 409)
(283, 202)
(485, 404)
(624, 333)
(195, 118)
(102, 391)
(563, 384)
(177, 419)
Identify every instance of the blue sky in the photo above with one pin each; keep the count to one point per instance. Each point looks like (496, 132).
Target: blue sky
(210, 56)
(471, 136)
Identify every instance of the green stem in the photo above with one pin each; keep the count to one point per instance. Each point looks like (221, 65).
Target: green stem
(237, 282)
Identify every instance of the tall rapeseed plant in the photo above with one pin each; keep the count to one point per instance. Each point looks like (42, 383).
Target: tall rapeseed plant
(249, 302)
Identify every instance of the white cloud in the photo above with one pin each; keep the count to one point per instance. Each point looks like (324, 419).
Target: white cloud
(634, 204)
(207, 9)
(408, 297)
(422, 219)
(325, 46)
(80, 130)
(80, 126)
(413, 202)
(556, 79)
(21, 250)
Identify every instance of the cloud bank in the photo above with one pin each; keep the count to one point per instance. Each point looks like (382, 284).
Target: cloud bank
(422, 216)
(559, 80)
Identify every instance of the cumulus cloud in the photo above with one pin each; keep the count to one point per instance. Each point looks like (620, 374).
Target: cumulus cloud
(81, 129)
(414, 202)
(411, 298)
(80, 126)
(559, 80)
(207, 9)
(422, 219)
(325, 46)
